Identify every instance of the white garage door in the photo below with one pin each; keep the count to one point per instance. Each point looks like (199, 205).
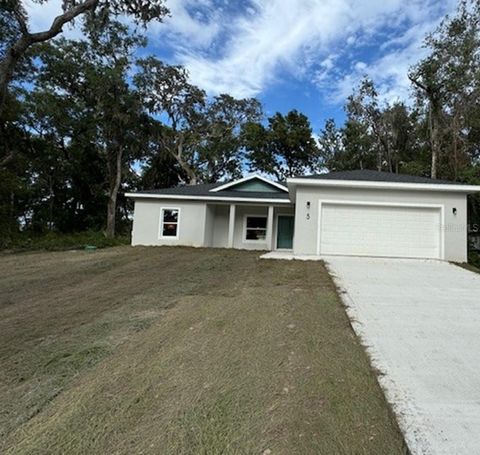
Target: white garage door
(376, 230)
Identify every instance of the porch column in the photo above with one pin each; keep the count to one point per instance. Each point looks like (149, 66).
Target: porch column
(231, 226)
(269, 236)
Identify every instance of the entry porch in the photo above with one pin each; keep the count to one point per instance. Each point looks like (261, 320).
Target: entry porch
(249, 226)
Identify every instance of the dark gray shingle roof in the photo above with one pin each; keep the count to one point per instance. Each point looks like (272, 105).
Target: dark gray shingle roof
(203, 189)
(376, 176)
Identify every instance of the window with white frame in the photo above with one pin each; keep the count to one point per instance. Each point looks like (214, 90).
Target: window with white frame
(255, 228)
(169, 218)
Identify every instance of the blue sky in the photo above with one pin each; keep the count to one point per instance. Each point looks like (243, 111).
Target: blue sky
(291, 54)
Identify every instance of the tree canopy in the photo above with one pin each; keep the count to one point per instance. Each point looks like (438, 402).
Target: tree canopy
(201, 134)
(14, 25)
(284, 148)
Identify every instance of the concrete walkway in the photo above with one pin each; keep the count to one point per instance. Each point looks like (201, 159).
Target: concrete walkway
(289, 256)
(420, 321)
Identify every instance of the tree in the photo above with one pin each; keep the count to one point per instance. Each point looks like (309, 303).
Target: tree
(220, 148)
(97, 12)
(424, 79)
(376, 135)
(347, 148)
(14, 170)
(121, 120)
(330, 145)
(89, 81)
(159, 169)
(364, 107)
(399, 125)
(447, 85)
(202, 134)
(286, 147)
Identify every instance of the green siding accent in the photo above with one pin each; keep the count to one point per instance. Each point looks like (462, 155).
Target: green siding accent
(255, 185)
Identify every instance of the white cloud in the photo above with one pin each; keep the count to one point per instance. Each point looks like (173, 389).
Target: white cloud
(351, 40)
(242, 48)
(187, 30)
(389, 70)
(297, 36)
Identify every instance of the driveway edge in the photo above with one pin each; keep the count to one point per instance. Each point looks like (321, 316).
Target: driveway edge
(399, 404)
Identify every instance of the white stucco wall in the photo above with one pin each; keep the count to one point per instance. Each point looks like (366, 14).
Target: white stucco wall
(455, 228)
(146, 222)
(200, 224)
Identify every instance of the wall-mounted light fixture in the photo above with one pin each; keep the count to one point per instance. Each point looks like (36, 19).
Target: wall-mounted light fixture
(308, 205)
(454, 210)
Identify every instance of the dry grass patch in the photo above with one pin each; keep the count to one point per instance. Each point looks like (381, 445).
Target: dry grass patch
(177, 350)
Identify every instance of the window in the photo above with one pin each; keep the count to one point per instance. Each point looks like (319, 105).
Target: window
(169, 222)
(255, 228)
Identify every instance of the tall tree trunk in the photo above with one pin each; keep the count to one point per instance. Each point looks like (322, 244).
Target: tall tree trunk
(455, 146)
(379, 158)
(434, 142)
(115, 179)
(191, 176)
(178, 155)
(176, 151)
(388, 155)
(434, 109)
(50, 203)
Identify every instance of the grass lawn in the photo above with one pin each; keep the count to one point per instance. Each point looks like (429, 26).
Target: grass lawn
(181, 351)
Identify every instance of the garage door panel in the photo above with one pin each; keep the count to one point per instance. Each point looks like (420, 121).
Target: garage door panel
(380, 230)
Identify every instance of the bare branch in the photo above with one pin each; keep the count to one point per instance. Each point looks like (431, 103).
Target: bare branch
(18, 49)
(61, 20)
(418, 83)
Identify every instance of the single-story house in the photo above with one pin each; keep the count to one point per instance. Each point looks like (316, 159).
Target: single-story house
(364, 213)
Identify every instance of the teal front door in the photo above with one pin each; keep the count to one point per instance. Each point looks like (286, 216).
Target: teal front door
(285, 232)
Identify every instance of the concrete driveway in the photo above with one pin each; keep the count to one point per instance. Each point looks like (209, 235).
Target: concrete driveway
(420, 321)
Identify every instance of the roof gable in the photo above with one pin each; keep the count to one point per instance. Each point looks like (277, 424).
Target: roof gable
(203, 191)
(253, 183)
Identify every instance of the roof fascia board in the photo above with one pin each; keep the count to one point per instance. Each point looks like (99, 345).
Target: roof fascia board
(206, 198)
(292, 182)
(246, 179)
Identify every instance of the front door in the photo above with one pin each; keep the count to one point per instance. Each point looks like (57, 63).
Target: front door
(285, 232)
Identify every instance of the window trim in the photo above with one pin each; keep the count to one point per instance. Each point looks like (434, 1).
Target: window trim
(161, 223)
(254, 215)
